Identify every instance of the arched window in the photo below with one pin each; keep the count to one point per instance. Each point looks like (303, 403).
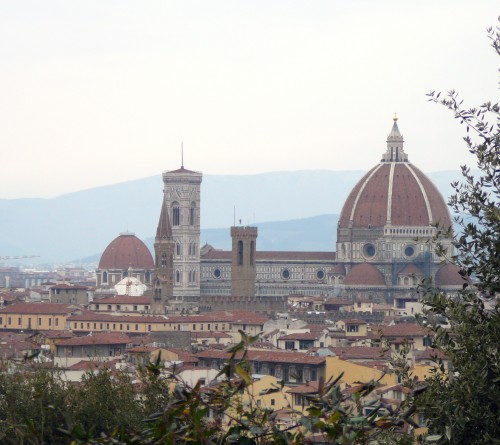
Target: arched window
(178, 248)
(177, 276)
(192, 213)
(176, 214)
(240, 253)
(148, 277)
(164, 262)
(252, 253)
(105, 277)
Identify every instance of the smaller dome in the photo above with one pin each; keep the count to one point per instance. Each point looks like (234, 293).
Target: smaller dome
(449, 276)
(130, 286)
(364, 274)
(126, 251)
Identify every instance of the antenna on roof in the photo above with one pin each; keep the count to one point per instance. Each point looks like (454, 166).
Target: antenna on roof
(182, 154)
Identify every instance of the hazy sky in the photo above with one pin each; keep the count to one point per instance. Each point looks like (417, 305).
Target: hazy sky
(99, 92)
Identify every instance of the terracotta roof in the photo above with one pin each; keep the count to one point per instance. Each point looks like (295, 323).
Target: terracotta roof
(210, 334)
(411, 191)
(93, 316)
(241, 317)
(301, 336)
(267, 356)
(88, 365)
(143, 349)
(360, 352)
(96, 339)
(364, 274)
(274, 255)
(39, 308)
(124, 251)
(124, 299)
(57, 334)
(308, 388)
(339, 269)
(338, 301)
(448, 276)
(353, 321)
(411, 269)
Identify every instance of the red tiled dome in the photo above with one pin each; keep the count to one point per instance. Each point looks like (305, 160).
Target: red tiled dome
(396, 192)
(124, 251)
(364, 274)
(448, 276)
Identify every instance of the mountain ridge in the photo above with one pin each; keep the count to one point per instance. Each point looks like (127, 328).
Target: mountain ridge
(81, 223)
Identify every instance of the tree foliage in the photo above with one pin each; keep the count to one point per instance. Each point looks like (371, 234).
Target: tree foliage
(463, 405)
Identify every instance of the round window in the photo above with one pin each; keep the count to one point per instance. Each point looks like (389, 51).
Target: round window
(409, 251)
(217, 273)
(320, 274)
(369, 250)
(285, 274)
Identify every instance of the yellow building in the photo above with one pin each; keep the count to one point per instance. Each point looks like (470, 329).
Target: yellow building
(355, 373)
(36, 316)
(86, 322)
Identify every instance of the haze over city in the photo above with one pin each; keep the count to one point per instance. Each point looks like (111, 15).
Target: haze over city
(96, 93)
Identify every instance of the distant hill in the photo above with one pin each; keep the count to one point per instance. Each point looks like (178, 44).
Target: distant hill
(81, 224)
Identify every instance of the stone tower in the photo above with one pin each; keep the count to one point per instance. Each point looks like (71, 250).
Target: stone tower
(182, 196)
(243, 270)
(163, 278)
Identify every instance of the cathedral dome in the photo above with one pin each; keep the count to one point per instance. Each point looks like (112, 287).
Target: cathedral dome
(126, 251)
(394, 193)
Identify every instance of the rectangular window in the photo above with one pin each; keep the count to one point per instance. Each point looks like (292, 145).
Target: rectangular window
(107, 326)
(1, 320)
(9, 320)
(149, 327)
(57, 321)
(95, 325)
(135, 308)
(88, 325)
(39, 321)
(81, 325)
(50, 321)
(136, 327)
(76, 325)
(19, 321)
(114, 326)
(352, 328)
(121, 327)
(128, 327)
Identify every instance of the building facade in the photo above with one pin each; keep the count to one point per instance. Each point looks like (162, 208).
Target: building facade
(182, 197)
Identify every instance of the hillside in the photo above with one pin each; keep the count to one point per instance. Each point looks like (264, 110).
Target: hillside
(81, 224)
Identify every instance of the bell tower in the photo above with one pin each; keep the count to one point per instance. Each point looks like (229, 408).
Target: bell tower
(243, 270)
(163, 277)
(182, 197)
